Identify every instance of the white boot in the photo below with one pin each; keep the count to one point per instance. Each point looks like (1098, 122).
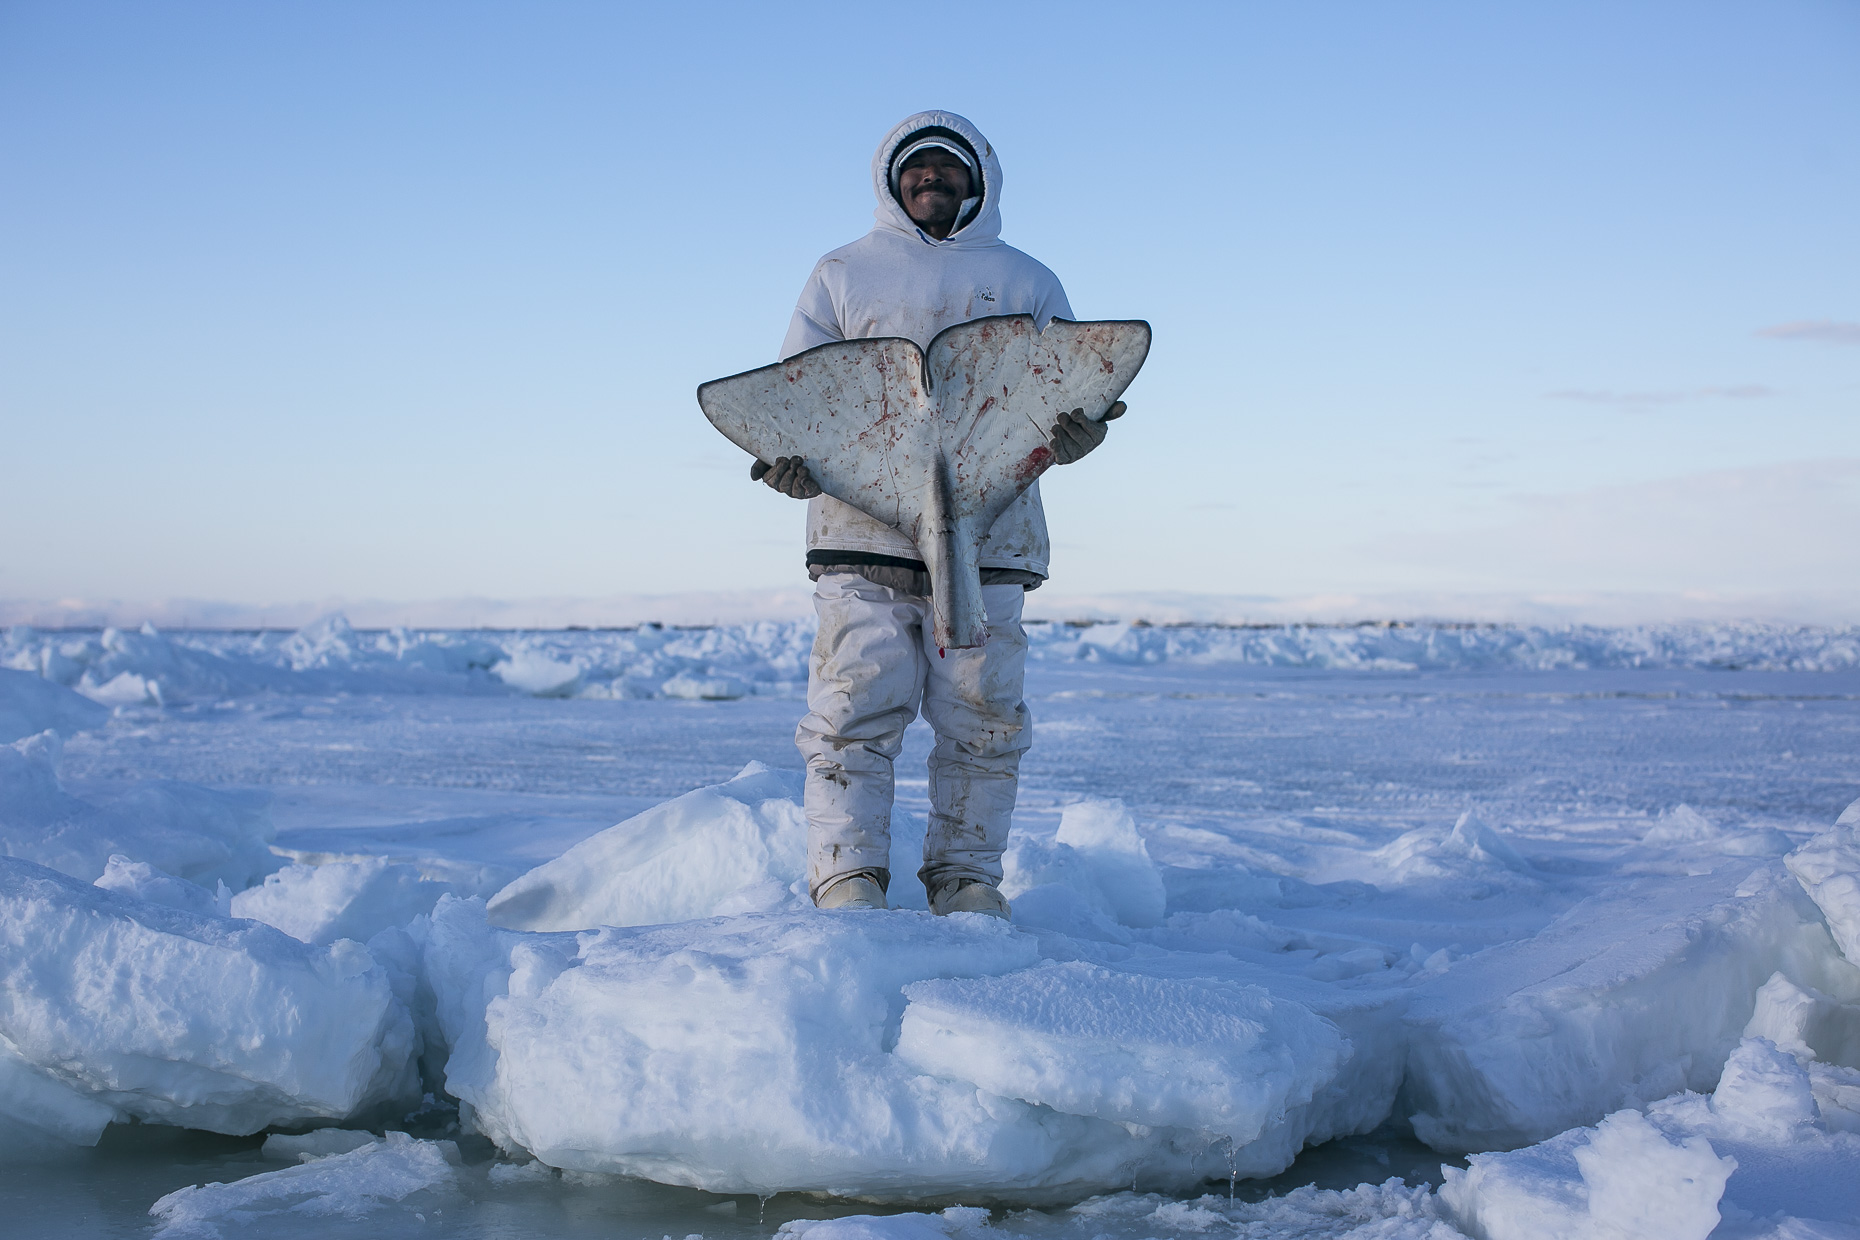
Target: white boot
(968, 895)
(852, 892)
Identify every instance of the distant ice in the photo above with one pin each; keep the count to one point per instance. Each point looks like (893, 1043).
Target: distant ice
(30, 704)
(122, 668)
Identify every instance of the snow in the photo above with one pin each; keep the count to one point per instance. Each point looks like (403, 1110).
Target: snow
(1099, 854)
(1771, 1150)
(173, 1017)
(344, 1185)
(142, 881)
(30, 704)
(1471, 850)
(1621, 1180)
(1631, 995)
(119, 667)
(679, 861)
(1828, 868)
(340, 899)
(195, 833)
(1806, 1022)
(754, 1054)
(1567, 899)
(1081, 1039)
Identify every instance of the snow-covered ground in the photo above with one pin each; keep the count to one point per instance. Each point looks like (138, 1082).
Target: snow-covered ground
(1564, 909)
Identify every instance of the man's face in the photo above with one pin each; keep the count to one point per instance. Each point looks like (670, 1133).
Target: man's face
(932, 185)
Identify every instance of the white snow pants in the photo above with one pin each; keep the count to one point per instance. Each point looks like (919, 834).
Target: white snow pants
(875, 660)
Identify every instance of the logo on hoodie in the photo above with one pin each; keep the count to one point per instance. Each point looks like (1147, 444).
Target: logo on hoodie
(988, 294)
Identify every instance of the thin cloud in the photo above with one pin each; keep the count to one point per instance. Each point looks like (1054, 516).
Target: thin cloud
(1673, 396)
(1821, 331)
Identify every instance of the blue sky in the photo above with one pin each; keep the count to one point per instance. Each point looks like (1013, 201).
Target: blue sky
(401, 300)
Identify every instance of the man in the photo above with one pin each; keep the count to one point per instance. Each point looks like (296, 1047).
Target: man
(935, 259)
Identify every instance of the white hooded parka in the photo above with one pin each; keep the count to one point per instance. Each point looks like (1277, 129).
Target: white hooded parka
(897, 280)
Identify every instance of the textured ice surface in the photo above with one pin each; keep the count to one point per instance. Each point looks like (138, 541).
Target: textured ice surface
(340, 899)
(759, 1053)
(1098, 855)
(675, 862)
(30, 704)
(1308, 825)
(1828, 867)
(1630, 996)
(734, 847)
(1774, 1146)
(176, 1018)
(1806, 1022)
(346, 1185)
(319, 1143)
(1621, 1180)
(1387, 1211)
(1086, 1040)
(142, 881)
(122, 668)
(188, 831)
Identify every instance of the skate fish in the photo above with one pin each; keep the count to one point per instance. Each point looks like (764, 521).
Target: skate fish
(936, 443)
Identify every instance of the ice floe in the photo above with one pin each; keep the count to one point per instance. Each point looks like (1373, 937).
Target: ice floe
(200, 834)
(384, 1171)
(761, 1053)
(1769, 1152)
(113, 1007)
(1635, 993)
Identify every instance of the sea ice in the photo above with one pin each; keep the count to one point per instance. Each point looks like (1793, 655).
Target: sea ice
(340, 899)
(677, 861)
(30, 704)
(1388, 1211)
(1807, 1023)
(537, 674)
(1099, 854)
(142, 881)
(1774, 1144)
(199, 834)
(1793, 1127)
(1471, 850)
(1624, 1179)
(764, 1053)
(1635, 993)
(1828, 868)
(318, 1143)
(347, 1185)
(177, 1018)
(734, 847)
(1161, 1052)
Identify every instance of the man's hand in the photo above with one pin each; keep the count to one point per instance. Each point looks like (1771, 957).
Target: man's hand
(1075, 434)
(789, 476)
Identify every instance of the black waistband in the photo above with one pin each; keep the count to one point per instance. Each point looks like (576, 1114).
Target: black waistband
(867, 559)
